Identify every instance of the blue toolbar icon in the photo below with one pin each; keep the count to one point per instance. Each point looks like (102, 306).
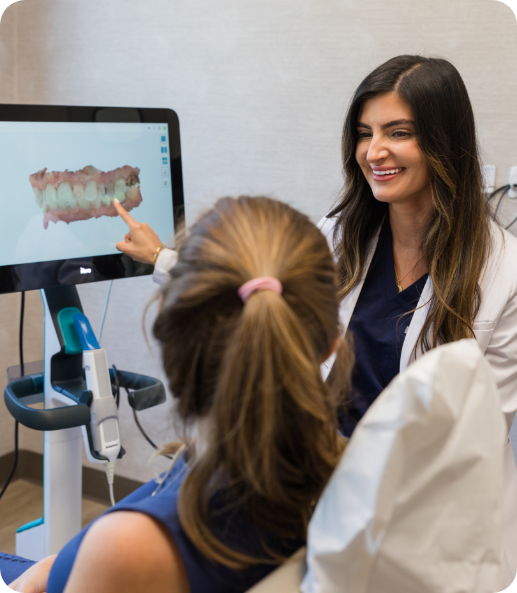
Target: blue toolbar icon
(164, 149)
(164, 138)
(164, 160)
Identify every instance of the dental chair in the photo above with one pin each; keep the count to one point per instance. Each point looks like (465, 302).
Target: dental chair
(415, 504)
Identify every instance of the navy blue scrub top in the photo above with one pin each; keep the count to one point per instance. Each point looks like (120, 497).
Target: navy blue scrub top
(204, 576)
(378, 327)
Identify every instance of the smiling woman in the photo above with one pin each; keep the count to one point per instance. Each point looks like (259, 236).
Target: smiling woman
(420, 260)
(396, 170)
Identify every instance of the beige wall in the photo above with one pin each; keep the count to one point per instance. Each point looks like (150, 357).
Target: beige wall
(8, 304)
(7, 58)
(261, 88)
(33, 350)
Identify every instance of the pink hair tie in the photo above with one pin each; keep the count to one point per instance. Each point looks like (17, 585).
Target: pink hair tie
(262, 283)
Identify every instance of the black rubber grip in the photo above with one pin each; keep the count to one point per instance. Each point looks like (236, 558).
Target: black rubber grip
(147, 391)
(53, 419)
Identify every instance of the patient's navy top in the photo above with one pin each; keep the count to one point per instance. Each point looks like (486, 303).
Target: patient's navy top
(204, 576)
(378, 326)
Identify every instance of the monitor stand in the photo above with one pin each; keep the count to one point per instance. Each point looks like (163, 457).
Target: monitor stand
(67, 421)
(62, 449)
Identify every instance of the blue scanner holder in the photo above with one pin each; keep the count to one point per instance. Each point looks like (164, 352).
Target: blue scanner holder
(66, 413)
(76, 331)
(85, 332)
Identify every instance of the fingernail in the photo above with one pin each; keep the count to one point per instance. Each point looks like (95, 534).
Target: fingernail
(115, 200)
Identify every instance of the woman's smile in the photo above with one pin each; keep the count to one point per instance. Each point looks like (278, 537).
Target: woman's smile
(384, 174)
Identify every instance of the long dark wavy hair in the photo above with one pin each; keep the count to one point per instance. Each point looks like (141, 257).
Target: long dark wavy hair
(456, 241)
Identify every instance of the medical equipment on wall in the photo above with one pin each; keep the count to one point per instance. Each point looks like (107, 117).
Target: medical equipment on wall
(68, 234)
(512, 193)
(509, 190)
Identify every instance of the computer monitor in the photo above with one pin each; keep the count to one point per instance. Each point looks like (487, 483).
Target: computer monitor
(62, 167)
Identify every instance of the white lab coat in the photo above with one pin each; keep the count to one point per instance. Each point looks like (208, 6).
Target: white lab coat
(495, 328)
(165, 261)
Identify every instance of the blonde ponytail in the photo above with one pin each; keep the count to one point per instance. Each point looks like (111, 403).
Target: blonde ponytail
(253, 369)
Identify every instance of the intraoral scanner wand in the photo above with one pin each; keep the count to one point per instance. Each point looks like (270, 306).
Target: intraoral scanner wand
(103, 409)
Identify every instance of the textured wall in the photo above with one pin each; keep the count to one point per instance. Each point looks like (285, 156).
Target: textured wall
(261, 88)
(33, 350)
(8, 56)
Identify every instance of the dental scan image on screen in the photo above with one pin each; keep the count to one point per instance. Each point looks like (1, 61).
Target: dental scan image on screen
(80, 195)
(61, 179)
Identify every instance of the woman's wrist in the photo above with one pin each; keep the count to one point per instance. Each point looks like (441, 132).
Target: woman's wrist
(157, 252)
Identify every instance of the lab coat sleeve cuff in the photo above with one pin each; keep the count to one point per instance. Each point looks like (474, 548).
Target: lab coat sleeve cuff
(165, 261)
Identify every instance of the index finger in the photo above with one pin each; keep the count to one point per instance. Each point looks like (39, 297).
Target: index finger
(124, 214)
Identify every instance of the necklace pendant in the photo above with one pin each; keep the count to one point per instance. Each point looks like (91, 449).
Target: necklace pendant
(399, 288)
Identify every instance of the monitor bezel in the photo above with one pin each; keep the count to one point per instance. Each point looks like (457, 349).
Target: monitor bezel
(66, 272)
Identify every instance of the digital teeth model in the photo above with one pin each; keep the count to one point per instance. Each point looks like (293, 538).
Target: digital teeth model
(84, 194)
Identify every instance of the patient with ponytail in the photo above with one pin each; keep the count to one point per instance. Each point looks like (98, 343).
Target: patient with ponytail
(245, 321)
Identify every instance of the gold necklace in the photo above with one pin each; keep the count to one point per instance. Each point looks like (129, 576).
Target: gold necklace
(399, 287)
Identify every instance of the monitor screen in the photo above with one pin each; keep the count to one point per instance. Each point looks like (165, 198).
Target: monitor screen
(63, 167)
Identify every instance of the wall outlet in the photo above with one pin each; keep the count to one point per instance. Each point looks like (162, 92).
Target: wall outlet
(489, 178)
(512, 192)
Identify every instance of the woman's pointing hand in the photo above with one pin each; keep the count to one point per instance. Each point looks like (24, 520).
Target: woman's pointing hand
(140, 242)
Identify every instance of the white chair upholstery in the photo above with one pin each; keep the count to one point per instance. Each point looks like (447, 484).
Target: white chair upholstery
(286, 578)
(415, 504)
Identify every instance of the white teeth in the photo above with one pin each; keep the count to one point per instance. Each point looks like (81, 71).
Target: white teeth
(132, 192)
(64, 195)
(91, 191)
(101, 195)
(39, 197)
(51, 197)
(389, 172)
(80, 197)
(66, 188)
(120, 185)
(78, 192)
(120, 189)
(91, 196)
